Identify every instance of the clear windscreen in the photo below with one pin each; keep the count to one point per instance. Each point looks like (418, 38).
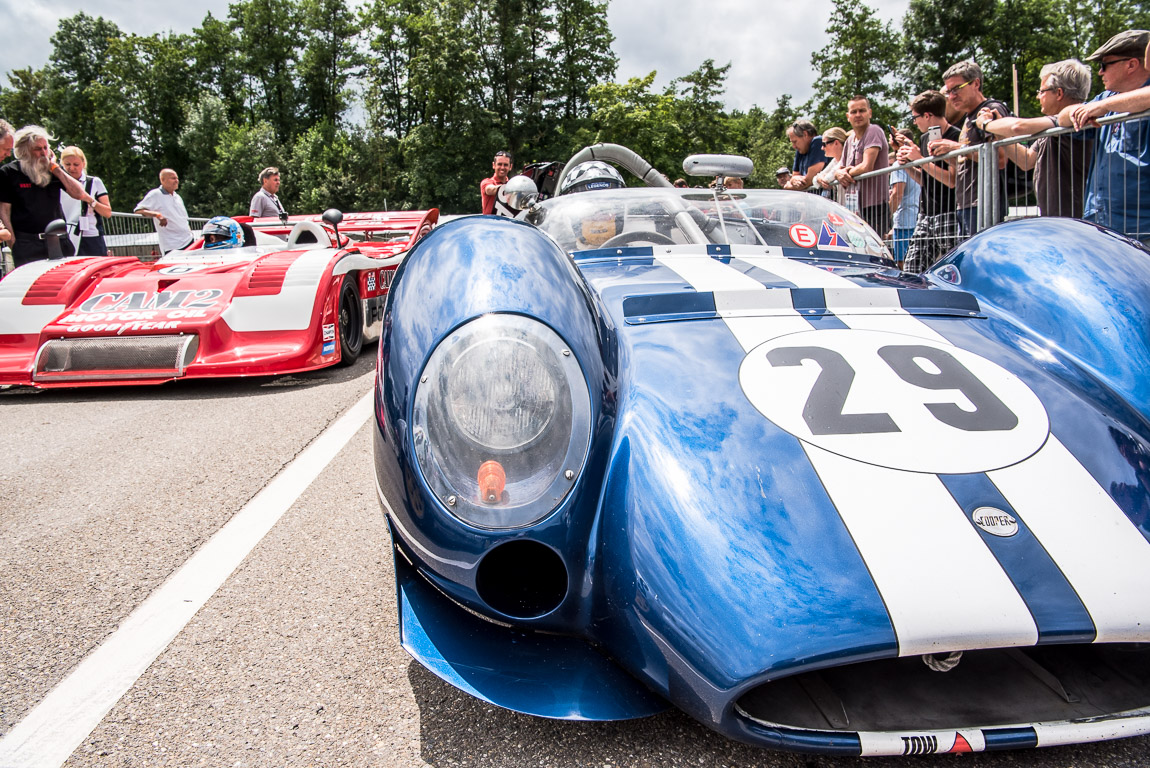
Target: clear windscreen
(664, 216)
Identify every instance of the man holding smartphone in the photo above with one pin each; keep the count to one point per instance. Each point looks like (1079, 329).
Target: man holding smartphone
(937, 229)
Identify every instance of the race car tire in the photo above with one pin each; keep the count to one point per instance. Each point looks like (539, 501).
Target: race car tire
(350, 322)
(639, 236)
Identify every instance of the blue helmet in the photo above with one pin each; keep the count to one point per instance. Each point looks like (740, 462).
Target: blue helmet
(222, 232)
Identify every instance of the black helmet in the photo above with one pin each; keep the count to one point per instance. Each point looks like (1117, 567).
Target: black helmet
(593, 174)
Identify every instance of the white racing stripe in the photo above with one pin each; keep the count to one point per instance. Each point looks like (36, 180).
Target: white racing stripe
(841, 293)
(734, 293)
(17, 317)
(290, 309)
(1106, 559)
(943, 588)
(59, 724)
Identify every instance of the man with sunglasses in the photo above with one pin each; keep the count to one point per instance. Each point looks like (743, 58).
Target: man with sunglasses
(1118, 187)
(962, 86)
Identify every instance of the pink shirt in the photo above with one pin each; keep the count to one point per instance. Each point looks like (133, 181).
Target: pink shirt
(871, 191)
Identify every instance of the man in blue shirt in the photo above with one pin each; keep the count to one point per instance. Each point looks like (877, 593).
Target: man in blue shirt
(809, 155)
(1118, 187)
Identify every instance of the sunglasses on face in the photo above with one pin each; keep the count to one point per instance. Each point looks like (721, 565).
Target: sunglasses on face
(1102, 65)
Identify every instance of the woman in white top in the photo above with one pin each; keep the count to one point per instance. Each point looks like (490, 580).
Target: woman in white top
(86, 225)
(833, 140)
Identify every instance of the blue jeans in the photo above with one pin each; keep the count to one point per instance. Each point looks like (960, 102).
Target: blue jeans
(967, 221)
(900, 243)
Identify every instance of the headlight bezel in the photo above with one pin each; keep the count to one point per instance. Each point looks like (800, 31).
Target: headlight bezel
(541, 468)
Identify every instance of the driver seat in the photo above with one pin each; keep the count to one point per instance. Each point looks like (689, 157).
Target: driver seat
(308, 234)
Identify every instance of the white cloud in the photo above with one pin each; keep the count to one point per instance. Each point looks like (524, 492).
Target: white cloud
(767, 44)
(31, 23)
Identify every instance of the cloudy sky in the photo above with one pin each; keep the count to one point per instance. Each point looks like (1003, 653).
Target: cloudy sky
(768, 44)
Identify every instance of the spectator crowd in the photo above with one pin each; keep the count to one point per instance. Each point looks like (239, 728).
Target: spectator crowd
(36, 190)
(1098, 171)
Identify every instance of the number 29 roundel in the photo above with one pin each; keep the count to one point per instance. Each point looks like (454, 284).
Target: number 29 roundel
(895, 401)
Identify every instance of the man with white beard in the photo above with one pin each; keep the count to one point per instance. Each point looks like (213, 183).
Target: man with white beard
(30, 190)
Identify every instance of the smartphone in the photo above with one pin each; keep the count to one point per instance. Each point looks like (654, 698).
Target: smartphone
(933, 133)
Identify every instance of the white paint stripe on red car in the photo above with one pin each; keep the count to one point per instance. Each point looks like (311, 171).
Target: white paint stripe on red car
(291, 308)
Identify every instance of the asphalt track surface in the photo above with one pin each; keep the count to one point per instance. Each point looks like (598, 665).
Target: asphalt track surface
(199, 574)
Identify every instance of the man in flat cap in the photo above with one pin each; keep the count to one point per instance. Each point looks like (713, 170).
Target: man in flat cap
(1118, 186)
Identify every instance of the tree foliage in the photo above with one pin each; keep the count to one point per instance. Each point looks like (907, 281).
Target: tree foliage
(402, 103)
(862, 52)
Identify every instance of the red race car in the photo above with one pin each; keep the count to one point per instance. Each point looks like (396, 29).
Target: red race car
(281, 297)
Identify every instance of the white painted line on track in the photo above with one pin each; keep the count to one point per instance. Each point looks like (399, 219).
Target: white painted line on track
(52, 731)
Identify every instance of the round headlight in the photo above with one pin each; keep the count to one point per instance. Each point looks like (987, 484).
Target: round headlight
(501, 421)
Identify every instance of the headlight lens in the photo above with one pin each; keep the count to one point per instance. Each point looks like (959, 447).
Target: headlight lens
(501, 421)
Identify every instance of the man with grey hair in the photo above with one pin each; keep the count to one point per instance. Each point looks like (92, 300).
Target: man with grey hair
(265, 202)
(962, 86)
(1060, 163)
(30, 190)
(809, 155)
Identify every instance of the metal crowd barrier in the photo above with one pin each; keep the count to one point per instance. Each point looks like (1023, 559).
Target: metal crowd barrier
(126, 234)
(1009, 193)
(130, 234)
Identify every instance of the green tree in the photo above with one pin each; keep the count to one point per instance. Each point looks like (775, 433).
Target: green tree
(510, 38)
(218, 67)
(939, 33)
(862, 52)
(391, 28)
(634, 115)
(1025, 35)
(580, 55)
(80, 50)
(330, 59)
(241, 153)
(698, 108)
(269, 41)
(321, 171)
(26, 100)
(761, 136)
(205, 121)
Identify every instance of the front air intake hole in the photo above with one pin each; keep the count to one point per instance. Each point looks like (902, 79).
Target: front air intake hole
(522, 578)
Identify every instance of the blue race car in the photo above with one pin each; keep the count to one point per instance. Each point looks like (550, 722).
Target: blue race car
(707, 448)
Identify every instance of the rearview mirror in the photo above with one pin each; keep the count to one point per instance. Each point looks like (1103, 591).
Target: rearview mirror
(718, 165)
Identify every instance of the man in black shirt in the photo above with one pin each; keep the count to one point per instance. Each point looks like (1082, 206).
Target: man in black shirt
(937, 229)
(30, 189)
(962, 86)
